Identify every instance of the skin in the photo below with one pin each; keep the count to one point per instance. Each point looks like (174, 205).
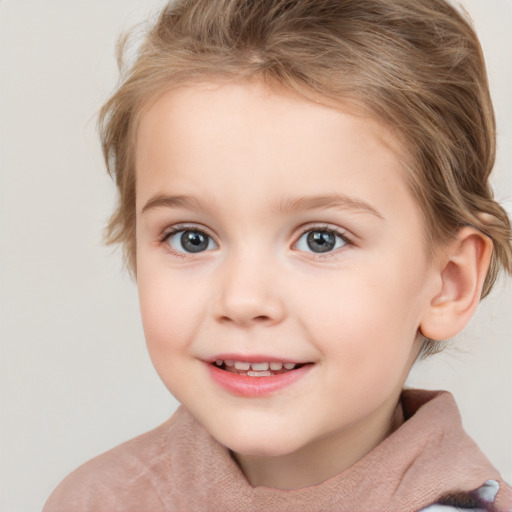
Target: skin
(244, 152)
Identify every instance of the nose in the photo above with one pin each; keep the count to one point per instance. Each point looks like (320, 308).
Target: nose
(249, 294)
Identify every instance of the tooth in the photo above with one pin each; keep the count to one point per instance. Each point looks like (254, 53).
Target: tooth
(276, 366)
(289, 366)
(259, 374)
(259, 366)
(219, 362)
(228, 362)
(239, 365)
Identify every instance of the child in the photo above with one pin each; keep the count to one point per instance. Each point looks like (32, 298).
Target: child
(304, 202)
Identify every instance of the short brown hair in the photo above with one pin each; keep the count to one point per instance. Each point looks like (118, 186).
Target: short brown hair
(416, 65)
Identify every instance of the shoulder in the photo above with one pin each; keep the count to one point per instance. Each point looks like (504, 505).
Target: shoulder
(121, 479)
(448, 508)
(490, 496)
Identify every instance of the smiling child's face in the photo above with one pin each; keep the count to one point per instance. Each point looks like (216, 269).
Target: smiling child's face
(275, 230)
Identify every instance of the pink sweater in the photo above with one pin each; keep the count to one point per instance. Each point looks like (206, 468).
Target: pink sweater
(180, 467)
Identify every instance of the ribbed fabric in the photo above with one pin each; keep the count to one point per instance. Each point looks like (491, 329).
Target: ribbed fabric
(180, 467)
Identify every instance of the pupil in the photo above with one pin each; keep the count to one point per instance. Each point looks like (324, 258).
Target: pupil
(192, 241)
(321, 241)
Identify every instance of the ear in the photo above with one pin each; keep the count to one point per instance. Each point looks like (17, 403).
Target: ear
(463, 267)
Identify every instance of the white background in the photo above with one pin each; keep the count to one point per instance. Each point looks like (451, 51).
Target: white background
(75, 376)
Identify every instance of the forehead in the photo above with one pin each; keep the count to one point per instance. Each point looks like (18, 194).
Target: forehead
(252, 141)
(202, 108)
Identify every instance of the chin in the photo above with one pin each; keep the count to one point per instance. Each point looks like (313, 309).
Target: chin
(254, 430)
(259, 444)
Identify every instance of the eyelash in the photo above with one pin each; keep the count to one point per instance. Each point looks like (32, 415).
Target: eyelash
(168, 233)
(326, 229)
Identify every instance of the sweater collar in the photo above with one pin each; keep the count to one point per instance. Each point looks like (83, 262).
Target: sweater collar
(427, 457)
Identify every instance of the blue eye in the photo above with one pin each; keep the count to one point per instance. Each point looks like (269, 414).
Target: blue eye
(190, 241)
(321, 241)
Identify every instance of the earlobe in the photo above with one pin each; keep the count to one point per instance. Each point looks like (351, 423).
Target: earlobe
(465, 264)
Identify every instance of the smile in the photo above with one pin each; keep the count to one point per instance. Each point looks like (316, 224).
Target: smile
(255, 379)
(253, 369)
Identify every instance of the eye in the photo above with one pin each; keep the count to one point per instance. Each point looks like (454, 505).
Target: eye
(321, 241)
(189, 241)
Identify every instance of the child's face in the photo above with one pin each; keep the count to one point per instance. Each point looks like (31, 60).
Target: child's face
(297, 242)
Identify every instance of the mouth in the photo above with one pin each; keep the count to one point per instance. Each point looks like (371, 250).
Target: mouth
(256, 378)
(256, 369)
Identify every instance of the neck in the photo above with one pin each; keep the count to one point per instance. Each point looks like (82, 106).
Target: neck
(325, 457)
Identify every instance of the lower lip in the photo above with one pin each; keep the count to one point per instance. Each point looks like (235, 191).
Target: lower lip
(243, 385)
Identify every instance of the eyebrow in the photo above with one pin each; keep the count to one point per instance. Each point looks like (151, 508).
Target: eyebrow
(340, 201)
(166, 201)
(287, 205)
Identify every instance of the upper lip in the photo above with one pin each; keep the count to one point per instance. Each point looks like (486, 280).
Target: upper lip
(253, 358)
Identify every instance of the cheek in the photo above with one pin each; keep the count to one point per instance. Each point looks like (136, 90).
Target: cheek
(366, 319)
(170, 312)
(170, 319)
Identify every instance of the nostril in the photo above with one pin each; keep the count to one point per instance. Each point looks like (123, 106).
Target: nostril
(246, 310)
(257, 319)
